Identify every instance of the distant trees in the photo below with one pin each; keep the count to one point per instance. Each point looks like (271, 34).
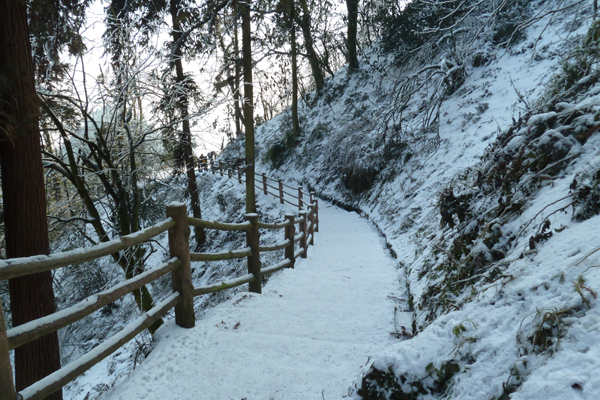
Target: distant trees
(23, 192)
(101, 143)
(300, 42)
(304, 21)
(230, 74)
(186, 21)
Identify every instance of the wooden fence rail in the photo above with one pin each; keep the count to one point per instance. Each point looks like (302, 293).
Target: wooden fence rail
(294, 198)
(178, 226)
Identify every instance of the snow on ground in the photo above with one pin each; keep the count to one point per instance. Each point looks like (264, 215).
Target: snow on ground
(306, 337)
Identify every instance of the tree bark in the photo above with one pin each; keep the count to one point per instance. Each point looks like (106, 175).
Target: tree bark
(313, 59)
(248, 105)
(352, 6)
(26, 226)
(295, 120)
(237, 95)
(186, 134)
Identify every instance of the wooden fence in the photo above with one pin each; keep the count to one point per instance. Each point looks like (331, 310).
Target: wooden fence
(295, 230)
(269, 186)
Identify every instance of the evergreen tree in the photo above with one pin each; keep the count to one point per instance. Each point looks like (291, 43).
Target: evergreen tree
(23, 191)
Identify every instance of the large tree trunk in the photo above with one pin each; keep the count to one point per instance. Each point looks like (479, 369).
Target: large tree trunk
(26, 226)
(248, 106)
(295, 120)
(352, 30)
(313, 59)
(186, 134)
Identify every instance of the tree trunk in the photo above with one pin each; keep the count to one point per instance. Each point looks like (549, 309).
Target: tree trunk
(295, 121)
(186, 134)
(237, 95)
(313, 59)
(248, 106)
(26, 226)
(352, 30)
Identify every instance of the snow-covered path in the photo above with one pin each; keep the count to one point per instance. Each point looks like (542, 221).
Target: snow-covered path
(306, 337)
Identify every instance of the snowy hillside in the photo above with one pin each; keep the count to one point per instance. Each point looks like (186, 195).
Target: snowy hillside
(489, 204)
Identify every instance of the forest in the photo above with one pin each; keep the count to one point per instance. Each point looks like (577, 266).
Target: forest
(108, 107)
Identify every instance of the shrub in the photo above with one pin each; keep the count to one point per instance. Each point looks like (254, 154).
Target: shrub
(280, 150)
(386, 385)
(283, 147)
(359, 178)
(506, 31)
(403, 29)
(581, 63)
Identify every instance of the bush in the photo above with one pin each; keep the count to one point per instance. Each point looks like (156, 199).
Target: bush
(283, 147)
(280, 150)
(319, 132)
(385, 385)
(359, 179)
(403, 29)
(506, 30)
(581, 63)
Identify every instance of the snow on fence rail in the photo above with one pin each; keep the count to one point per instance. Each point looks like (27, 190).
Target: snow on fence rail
(177, 224)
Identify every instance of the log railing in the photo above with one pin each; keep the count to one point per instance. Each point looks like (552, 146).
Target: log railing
(177, 224)
(286, 194)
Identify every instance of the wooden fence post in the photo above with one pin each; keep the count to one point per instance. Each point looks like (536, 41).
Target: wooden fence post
(228, 170)
(300, 204)
(316, 215)
(221, 168)
(179, 246)
(280, 191)
(303, 224)
(7, 386)
(252, 241)
(239, 172)
(264, 176)
(290, 232)
(212, 166)
(311, 225)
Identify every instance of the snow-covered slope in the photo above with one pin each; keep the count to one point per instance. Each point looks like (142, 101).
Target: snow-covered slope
(492, 218)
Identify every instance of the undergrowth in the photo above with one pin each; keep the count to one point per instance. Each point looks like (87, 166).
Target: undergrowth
(534, 152)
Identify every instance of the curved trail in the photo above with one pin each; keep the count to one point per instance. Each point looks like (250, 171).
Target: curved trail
(306, 337)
